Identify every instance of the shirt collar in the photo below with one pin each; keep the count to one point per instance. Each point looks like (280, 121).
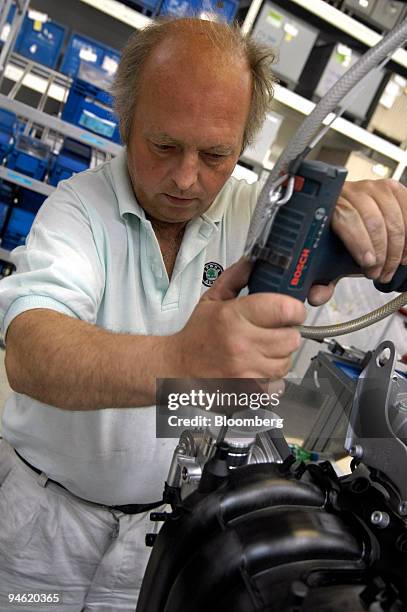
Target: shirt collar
(215, 212)
(128, 203)
(126, 199)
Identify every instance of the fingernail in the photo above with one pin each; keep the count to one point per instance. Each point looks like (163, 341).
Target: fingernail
(369, 259)
(373, 273)
(387, 278)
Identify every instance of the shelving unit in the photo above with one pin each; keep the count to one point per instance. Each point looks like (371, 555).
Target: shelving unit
(363, 34)
(25, 181)
(121, 12)
(334, 17)
(346, 128)
(37, 77)
(57, 125)
(52, 131)
(349, 25)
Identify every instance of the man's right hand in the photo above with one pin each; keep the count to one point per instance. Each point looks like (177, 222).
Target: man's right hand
(247, 337)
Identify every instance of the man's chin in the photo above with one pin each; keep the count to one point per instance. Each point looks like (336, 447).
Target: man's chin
(170, 216)
(174, 212)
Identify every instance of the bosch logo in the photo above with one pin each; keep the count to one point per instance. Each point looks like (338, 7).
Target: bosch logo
(300, 267)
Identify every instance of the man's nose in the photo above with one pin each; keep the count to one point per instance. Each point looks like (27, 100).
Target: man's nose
(185, 172)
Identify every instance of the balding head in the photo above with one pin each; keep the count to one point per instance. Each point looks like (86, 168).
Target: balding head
(195, 46)
(190, 57)
(188, 124)
(206, 52)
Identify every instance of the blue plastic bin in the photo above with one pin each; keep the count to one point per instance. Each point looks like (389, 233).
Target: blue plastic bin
(90, 107)
(16, 219)
(8, 131)
(225, 9)
(17, 228)
(40, 42)
(73, 157)
(85, 49)
(7, 198)
(30, 200)
(3, 214)
(29, 156)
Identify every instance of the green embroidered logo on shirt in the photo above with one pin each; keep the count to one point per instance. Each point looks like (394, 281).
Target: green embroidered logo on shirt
(212, 271)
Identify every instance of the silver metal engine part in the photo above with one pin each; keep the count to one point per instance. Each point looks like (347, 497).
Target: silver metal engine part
(196, 447)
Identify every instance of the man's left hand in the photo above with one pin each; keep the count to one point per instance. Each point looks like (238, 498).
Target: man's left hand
(370, 217)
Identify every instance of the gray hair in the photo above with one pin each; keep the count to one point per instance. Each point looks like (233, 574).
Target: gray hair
(221, 36)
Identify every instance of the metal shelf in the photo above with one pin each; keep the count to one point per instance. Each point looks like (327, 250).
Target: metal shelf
(121, 12)
(25, 181)
(335, 17)
(62, 127)
(347, 128)
(37, 77)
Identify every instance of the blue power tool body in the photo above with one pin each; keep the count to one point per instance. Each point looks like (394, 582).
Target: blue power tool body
(301, 249)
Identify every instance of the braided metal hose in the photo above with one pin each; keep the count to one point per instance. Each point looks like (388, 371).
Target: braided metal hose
(327, 331)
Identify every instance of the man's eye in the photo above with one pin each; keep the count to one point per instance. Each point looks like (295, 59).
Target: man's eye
(214, 155)
(163, 147)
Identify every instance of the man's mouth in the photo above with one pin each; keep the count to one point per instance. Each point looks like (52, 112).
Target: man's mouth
(179, 201)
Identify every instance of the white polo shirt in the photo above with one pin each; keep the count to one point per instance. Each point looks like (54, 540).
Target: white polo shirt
(93, 255)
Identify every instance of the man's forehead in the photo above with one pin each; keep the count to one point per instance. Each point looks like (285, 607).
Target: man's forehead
(200, 84)
(192, 54)
(190, 102)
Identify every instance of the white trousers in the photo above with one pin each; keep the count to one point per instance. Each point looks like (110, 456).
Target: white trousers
(51, 542)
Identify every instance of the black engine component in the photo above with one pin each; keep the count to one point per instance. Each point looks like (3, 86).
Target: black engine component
(290, 536)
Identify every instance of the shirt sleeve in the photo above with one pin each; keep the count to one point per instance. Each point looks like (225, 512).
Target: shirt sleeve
(59, 267)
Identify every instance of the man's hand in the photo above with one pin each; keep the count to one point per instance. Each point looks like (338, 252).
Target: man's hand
(229, 337)
(370, 217)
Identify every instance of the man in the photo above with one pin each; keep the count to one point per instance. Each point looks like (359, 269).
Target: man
(107, 298)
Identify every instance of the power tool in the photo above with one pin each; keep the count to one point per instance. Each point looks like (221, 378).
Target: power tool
(301, 249)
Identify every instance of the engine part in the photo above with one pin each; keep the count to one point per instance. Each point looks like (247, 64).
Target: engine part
(196, 448)
(289, 536)
(378, 403)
